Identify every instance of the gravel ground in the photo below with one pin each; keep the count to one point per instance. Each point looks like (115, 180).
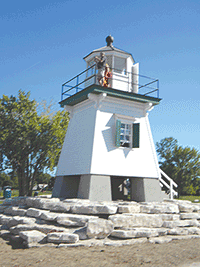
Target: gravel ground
(176, 253)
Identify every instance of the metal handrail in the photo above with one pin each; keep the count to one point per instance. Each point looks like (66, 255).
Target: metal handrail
(71, 88)
(93, 78)
(148, 84)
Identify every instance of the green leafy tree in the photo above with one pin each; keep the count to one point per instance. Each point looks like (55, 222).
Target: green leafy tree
(5, 179)
(43, 178)
(8, 178)
(181, 164)
(29, 142)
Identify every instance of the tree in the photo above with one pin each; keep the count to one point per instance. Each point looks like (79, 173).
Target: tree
(181, 164)
(43, 178)
(29, 142)
(5, 179)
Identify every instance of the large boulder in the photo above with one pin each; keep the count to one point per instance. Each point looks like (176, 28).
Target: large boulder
(15, 211)
(73, 220)
(53, 204)
(94, 208)
(181, 223)
(32, 212)
(20, 220)
(15, 230)
(44, 228)
(62, 238)
(136, 220)
(58, 206)
(128, 209)
(33, 202)
(186, 207)
(188, 216)
(15, 201)
(184, 231)
(43, 203)
(139, 232)
(49, 216)
(95, 228)
(4, 220)
(32, 236)
(159, 208)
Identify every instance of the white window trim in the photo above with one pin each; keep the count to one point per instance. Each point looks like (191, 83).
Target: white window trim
(117, 73)
(127, 120)
(130, 135)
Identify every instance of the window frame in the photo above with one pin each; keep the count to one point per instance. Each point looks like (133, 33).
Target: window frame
(116, 71)
(130, 121)
(126, 133)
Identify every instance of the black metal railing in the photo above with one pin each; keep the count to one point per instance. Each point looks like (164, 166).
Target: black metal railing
(119, 78)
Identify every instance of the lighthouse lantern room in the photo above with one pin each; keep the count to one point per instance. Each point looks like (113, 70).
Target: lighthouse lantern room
(108, 152)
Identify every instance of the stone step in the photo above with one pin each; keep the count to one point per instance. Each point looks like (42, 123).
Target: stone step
(141, 220)
(128, 209)
(62, 237)
(159, 208)
(33, 236)
(94, 209)
(139, 232)
(180, 223)
(76, 222)
(44, 228)
(95, 228)
(184, 231)
(15, 211)
(188, 216)
(73, 220)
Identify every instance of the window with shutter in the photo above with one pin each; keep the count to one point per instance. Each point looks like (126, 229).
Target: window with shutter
(127, 134)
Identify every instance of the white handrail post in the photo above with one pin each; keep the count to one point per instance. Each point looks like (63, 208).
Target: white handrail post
(170, 185)
(171, 190)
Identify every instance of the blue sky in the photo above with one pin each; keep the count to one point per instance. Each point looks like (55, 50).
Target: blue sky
(42, 45)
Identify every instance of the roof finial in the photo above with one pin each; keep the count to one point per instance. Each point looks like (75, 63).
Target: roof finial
(109, 40)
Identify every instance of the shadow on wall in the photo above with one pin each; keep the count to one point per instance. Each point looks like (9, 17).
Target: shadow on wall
(109, 136)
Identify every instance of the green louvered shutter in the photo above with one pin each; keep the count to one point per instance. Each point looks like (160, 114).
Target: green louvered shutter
(136, 135)
(118, 130)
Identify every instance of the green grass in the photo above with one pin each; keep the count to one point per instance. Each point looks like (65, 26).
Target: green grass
(45, 193)
(15, 193)
(191, 198)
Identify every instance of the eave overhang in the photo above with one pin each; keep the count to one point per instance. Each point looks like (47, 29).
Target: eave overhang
(97, 89)
(109, 49)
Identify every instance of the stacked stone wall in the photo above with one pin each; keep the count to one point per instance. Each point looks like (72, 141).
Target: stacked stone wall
(40, 221)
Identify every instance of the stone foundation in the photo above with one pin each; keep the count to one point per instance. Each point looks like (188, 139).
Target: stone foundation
(39, 221)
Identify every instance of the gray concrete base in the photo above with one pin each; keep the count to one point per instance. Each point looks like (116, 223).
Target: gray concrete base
(105, 188)
(146, 190)
(95, 188)
(66, 186)
(92, 187)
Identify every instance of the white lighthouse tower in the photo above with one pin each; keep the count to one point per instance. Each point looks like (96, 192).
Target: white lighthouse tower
(109, 140)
